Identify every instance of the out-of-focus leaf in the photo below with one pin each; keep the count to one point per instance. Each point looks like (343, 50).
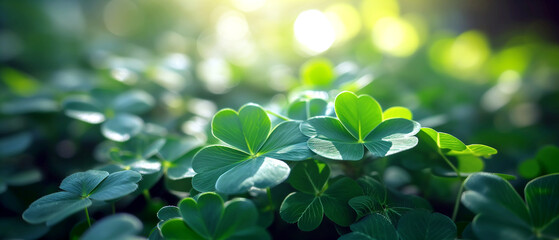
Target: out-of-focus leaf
(122, 127)
(118, 227)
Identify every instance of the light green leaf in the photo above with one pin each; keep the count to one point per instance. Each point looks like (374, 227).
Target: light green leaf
(55, 207)
(84, 110)
(423, 225)
(122, 127)
(317, 72)
(246, 130)
(477, 150)
(374, 226)
(304, 109)
(397, 112)
(82, 183)
(211, 162)
(304, 209)
(529, 169)
(392, 136)
(359, 115)
(286, 142)
(116, 227)
(440, 140)
(330, 139)
(309, 176)
(116, 185)
(261, 172)
(133, 101)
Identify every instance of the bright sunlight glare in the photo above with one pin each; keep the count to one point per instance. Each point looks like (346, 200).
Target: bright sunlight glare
(314, 32)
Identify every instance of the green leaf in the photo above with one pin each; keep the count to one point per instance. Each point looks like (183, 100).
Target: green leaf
(317, 72)
(55, 207)
(261, 172)
(286, 142)
(423, 225)
(529, 169)
(304, 109)
(477, 150)
(119, 226)
(440, 140)
(28, 105)
(548, 157)
(335, 201)
(542, 198)
(167, 213)
(392, 136)
(304, 209)
(175, 148)
(374, 226)
(177, 229)
(329, 138)
(490, 194)
(82, 183)
(84, 110)
(133, 101)
(397, 112)
(497, 227)
(209, 218)
(211, 162)
(15, 144)
(309, 176)
(182, 167)
(359, 115)
(122, 127)
(116, 185)
(246, 130)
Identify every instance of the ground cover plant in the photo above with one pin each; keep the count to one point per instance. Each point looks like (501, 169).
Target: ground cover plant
(269, 119)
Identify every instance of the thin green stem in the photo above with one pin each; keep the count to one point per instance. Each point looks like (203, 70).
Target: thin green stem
(87, 216)
(278, 115)
(269, 194)
(147, 196)
(457, 201)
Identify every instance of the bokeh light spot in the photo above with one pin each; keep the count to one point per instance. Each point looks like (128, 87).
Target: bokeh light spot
(314, 32)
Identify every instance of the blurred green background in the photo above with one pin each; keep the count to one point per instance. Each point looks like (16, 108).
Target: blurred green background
(484, 71)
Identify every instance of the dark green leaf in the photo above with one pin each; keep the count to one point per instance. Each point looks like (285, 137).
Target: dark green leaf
(82, 183)
(309, 176)
(133, 101)
(15, 144)
(286, 142)
(116, 185)
(330, 139)
(374, 226)
(55, 207)
(423, 225)
(542, 198)
(176, 229)
(304, 209)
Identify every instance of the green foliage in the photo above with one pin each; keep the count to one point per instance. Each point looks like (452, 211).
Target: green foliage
(208, 217)
(545, 162)
(318, 196)
(79, 189)
(250, 158)
(118, 227)
(360, 124)
(502, 214)
(117, 113)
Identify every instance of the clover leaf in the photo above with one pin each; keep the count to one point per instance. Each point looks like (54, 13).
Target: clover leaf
(360, 124)
(419, 224)
(208, 217)
(79, 189)
(252, 155)
(379, 199)
(501, 212)
(117, 113)
(374, 226)
(116, 227)
(316, 198)
(303, 109)
(545, 162)
(468, 158)
(397, 112)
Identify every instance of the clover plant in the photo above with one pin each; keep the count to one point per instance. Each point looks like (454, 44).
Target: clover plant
(117, 113)
(79, 189)
(360, 124)
(252, 152)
